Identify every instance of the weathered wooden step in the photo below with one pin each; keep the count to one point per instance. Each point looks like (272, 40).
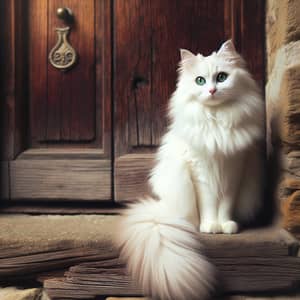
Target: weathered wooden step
(262, 260)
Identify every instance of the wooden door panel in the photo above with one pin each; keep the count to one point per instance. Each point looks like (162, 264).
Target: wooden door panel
(65, 147)
(62, 103)
(62, 179)
(4, 182)
(147, 38)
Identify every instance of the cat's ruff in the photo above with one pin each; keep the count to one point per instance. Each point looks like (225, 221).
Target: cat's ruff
(207, 177)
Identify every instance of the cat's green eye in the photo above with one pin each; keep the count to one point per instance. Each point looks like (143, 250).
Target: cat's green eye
(222, 76)
(200, 80)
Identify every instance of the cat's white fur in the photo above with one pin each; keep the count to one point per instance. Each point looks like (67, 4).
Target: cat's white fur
(207, 176)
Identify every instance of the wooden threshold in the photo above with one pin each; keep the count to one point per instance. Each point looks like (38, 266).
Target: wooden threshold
(57, 175)
(60, 179)
(65, 208)
(62, 153)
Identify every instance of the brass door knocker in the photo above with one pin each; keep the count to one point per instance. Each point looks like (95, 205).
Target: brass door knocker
(63, 56)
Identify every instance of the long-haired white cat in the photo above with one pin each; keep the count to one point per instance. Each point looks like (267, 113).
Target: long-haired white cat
(207, 177)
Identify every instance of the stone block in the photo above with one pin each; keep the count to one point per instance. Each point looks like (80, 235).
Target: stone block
(290, 93)
(282, 26)
(283, 130)
(282, 98)
(12, 293)
(291, 213)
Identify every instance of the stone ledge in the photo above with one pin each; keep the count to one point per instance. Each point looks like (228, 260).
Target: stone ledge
(33, 244)
(30, 234)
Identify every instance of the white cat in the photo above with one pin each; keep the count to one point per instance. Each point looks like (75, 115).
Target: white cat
(207, 176)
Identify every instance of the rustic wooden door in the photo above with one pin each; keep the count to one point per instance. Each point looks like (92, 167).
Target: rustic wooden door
(147, 37)
(60, 125)
(58, 129)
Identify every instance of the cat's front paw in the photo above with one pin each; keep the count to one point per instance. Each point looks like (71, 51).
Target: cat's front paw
(210, 227)
(230, 227)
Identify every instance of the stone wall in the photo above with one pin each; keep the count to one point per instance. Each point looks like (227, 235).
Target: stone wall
(283, 105)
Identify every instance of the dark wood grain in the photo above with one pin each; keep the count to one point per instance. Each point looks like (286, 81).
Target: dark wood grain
(132, 64)
(253, 37)
(147, 39)
(21, 78)
(68, 114)
(103, 93)
(70, 99)
(37, 69)
(148, 36)
(6, 76)
(194, 25)
(4, 180)
(12, 90)
(244, 24)
(71, 107)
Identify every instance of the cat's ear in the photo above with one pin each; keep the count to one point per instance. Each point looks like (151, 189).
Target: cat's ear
(227, 48)
(186, 54)
(228, 52)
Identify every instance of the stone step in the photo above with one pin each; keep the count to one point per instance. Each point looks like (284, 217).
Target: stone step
(44, 247)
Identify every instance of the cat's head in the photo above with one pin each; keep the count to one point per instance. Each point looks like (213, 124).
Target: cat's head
(214, 79)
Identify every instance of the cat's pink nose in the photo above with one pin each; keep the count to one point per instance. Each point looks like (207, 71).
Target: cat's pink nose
(212, 90)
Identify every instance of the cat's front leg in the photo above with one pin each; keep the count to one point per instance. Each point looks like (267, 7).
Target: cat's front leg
(229, 187)
(208, 207)
(225, 216)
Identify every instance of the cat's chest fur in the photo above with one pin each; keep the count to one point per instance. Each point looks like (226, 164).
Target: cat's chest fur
(217, 172)
(213, 138)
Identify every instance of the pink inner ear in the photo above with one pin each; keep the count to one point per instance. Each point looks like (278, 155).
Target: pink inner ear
(186, 54)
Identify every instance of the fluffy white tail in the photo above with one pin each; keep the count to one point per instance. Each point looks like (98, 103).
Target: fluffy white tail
(162, 253)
